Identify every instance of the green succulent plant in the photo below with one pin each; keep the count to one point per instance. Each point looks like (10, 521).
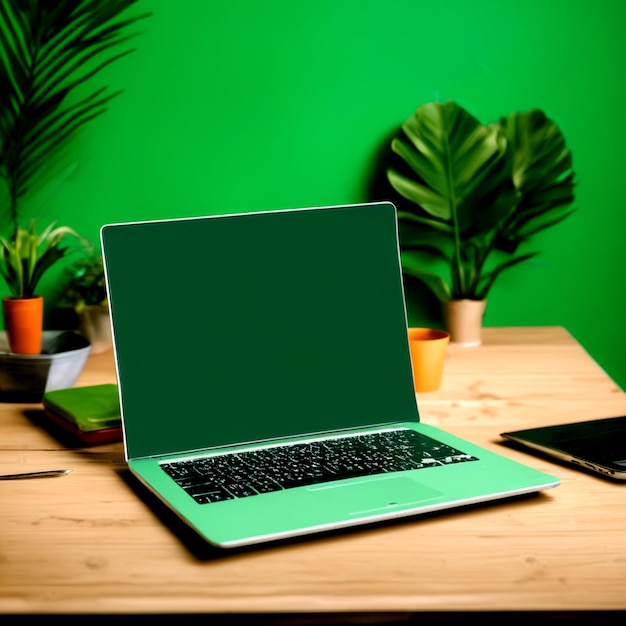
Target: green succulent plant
(469, 195)
(29, 255)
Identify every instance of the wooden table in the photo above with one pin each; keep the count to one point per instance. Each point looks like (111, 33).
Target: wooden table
(94, 542)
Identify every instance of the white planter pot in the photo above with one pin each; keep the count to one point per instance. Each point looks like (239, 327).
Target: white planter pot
(95, 325)
(464, 321)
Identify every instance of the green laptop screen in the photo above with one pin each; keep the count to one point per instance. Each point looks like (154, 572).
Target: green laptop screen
(255, 326)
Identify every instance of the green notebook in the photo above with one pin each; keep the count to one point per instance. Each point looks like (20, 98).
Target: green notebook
(91, 408)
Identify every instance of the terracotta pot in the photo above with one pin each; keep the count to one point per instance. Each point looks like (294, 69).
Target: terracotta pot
(464, 321)
(428, 354)
(23, 323)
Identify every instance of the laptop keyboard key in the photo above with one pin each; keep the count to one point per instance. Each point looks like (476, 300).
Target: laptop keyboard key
(203, 494)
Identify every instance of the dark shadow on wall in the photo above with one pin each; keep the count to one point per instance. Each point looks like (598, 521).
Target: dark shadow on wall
(423, 308)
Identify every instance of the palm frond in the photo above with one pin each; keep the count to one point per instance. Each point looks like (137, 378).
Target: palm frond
(51, 50)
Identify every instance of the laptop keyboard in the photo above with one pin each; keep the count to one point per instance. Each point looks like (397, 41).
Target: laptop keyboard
(242, 474)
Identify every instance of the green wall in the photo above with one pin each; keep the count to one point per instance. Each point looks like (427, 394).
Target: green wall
(250, 105)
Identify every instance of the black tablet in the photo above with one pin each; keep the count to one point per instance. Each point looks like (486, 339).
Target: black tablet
(596, 445)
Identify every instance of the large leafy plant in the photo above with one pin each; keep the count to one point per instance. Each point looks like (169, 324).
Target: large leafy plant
(469, 195)
(49, 51)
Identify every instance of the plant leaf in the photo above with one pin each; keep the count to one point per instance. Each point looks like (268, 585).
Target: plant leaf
(437, 285)
(542, 172)
(48, 49)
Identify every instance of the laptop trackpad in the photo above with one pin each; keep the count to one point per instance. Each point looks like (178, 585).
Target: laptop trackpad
(376, 494)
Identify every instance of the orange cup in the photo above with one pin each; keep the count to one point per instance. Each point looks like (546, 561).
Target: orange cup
(428, 352)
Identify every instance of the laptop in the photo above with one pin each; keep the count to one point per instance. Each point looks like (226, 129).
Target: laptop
(597, 445)
(265, 380)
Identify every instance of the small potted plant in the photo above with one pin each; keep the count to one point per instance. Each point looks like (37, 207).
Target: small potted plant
(84, 291)
(469, 196)
(51, 50)
(24, 260)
